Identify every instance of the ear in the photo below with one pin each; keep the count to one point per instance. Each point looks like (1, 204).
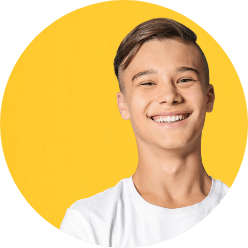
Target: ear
(122, 106)
(210, 97)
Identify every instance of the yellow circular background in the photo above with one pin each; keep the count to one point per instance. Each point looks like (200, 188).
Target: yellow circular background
(62, 135)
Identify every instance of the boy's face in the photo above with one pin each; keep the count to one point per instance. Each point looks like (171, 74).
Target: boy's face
(166, 78)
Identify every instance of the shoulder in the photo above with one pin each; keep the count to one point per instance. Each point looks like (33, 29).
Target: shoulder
(92, 218)
(221, 189)
(95, 214)
(101, 201)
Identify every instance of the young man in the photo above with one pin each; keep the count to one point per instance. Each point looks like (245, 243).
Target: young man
(165, 92)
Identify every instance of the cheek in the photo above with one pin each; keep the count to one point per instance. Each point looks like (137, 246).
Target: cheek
(138, 104)
(198, 100)
(201, 101)
(138, 118)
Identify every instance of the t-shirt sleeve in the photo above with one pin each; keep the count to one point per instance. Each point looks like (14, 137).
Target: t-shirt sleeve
(76, 225)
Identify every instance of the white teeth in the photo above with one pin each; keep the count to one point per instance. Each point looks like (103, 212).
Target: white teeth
(173, 118)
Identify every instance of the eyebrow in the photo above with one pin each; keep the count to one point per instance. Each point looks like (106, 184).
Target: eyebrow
(151, 71)
(142, 73)
(181, 69)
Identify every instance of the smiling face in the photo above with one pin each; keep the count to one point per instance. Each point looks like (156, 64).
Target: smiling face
(166, 95)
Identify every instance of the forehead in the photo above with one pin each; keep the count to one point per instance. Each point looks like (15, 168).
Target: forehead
(166, 55)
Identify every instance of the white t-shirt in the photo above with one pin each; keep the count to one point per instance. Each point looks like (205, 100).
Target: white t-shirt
(120, 217)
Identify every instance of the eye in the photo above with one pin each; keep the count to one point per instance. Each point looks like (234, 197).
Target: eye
(185, 80)
(147, 83)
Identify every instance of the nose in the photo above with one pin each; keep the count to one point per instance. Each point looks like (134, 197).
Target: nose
(169, 95)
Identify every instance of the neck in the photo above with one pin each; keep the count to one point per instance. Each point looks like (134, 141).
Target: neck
(171, 177)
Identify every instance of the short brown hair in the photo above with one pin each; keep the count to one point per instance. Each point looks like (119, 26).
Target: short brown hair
(159, 28)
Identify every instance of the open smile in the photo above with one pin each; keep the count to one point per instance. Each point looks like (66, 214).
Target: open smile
(172, 117)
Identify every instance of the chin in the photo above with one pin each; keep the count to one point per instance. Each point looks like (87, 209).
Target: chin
(174, 144)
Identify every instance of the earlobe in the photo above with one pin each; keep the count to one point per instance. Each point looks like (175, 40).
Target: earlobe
(121, 103)
(210, 97)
